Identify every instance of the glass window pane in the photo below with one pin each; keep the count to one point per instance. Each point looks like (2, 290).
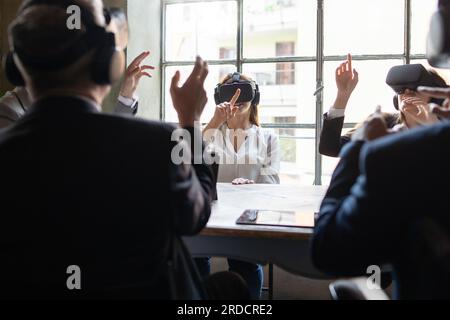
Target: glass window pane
(276, 28)
(297, 148)
(421, 11)
(363, 27)
(371, 91)
(328, 166)
(286, 90)
(208, 29)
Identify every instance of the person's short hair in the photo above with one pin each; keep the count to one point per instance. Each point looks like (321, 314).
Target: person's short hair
(41, 31)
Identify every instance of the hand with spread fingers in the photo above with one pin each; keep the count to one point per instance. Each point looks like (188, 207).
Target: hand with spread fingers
(133, 75)
(346, 80)
(190, 99)
(442, 111)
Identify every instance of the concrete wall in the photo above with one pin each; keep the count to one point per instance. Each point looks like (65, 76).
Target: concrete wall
(111, 100)
(145, 19)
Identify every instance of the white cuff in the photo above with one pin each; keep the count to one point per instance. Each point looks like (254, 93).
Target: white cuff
(129, 102)
(336, 113)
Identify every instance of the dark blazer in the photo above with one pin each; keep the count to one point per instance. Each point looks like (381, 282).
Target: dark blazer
(331, 141)
(70, 198)
(367, 212)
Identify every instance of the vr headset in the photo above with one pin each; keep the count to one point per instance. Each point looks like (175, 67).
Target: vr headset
(411, 76)
(249, 90)
(438, 42)
(106, 66)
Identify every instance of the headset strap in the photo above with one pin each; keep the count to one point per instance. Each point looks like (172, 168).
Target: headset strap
(94, 37)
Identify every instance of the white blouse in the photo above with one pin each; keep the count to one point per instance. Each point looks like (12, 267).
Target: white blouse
(257, 158)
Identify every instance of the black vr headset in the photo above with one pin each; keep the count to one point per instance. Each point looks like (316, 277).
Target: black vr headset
(249, 90)
(438, 42)
(105, 65)
(411, 76)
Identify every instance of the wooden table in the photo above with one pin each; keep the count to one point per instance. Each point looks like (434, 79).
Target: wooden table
(286, 247)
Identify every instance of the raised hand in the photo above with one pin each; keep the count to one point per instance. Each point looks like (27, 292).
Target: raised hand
(346, 77)
(226, 110)
(190, 99)
(346, 80)
(133, 75)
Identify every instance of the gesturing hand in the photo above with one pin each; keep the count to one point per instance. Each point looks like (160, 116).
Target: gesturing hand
(439, 93)
(226, 110)
(346, 77)
(375, 128)
(190, 99)
(133, 75)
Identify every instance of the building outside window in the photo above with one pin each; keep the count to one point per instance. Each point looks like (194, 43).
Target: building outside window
(278, 43)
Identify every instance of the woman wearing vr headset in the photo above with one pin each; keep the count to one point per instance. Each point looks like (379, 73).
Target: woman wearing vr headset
(413, 108)
(246, 152)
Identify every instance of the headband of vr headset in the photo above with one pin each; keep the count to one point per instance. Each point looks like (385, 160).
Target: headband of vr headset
(411, 76)
(225, 91)
(94, 37)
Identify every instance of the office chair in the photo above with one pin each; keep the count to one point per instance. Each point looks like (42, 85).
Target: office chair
(355, 289)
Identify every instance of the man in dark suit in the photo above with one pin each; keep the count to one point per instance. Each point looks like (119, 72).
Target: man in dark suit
(85, 225)
(378, 193)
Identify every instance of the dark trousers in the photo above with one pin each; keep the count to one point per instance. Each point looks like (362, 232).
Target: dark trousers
(226, 286)
(252, 273)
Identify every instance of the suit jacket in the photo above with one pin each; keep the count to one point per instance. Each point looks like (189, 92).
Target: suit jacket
(368, 210)
(331, 141)
(14, 104)
(70, 198)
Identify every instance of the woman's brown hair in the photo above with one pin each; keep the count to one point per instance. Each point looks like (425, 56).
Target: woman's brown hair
(254, 116)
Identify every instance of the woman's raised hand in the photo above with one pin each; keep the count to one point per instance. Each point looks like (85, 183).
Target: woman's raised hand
(346, 77)
(226, 110)
(346, 80)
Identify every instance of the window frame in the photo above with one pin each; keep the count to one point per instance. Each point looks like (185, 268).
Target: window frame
(320, 58)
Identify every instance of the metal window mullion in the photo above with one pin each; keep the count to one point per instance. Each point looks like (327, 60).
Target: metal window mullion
(190, 1)
(319, 96)
(240, 36)
(365, 57)
(407, 32)
(162, 96)
(298, 125)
